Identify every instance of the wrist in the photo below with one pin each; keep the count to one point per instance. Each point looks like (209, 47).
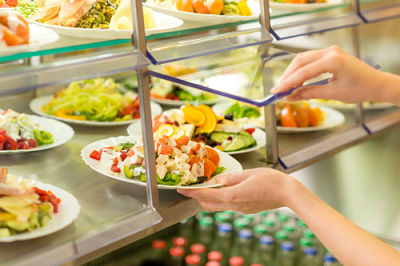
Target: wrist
(390, 88)
(291, 191)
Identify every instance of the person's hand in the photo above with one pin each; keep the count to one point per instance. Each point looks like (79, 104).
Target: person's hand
(352, 80)
(248, 191)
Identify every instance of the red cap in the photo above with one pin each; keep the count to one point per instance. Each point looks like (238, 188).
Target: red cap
(177, 251)
(198, 248)
(158, 244)
(213, 263)
(215, 256)
(236, 261)
(179, 241)
(192, 259)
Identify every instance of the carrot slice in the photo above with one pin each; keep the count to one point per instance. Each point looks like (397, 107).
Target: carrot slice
(213, 156)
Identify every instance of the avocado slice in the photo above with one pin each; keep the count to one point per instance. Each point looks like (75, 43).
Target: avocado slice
(4, 232)
(18, 226)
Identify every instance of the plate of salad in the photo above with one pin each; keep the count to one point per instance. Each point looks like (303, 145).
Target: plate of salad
(292, 117)
(180, 163)
(167, 93)
(30, 209)
(21, 133)
(95, 102)
(209, 11)
(202, 125)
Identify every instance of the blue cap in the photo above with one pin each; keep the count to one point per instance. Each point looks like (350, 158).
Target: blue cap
(266, 240)
(245, 233)
(287, 246)
(225, 227)
(311, 251)
(329, 258)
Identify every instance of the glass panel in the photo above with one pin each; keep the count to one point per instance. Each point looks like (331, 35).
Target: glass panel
(251, 72)
(179, 48)
(18, 78)
(375, 10)
(314, 21)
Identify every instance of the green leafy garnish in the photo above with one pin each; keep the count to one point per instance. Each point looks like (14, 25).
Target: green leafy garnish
(219, 170)
(27, 8)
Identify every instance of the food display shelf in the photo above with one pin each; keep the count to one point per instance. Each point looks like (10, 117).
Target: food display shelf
(374, 11)
(114, 213)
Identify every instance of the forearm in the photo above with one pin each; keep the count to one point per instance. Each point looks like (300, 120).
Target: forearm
(389, 90)
(347, 241)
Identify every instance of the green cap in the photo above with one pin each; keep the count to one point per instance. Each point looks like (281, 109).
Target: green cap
(230, 212)
(283, 217)
(240, 223)
(268, 222)
(249, 217)
(308, 233)
(301, 223)
(260, 229)
(305, 242)
(282, 235)
(289, 227)
(206, 221)
(222, 217)
(263, 213)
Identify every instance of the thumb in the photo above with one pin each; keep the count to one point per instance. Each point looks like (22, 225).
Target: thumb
(231, 179)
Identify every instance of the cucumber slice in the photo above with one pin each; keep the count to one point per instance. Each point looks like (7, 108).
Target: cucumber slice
(219, 136)
(5, 232)
(238, 143)
(249, 138)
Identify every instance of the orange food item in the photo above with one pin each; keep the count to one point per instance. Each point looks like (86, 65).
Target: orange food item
(66, 114)
(211, 119)
(184, 5)
(184, 140)
(11, 38)
(200, 7)
(213, 156)
(18, 25)
(300, 115)
(215, 6)
(286, 117)
(155, 95)
(213, 166)
(208, 168)
(194, 159)
(313, 117)
(193, 115)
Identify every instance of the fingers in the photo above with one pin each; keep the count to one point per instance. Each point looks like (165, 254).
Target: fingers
(305, 73)
(301, 60)
(204, 193)
(313, 92)
(231, 179)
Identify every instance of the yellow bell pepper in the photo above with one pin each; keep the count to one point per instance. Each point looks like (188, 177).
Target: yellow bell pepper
(244, 9)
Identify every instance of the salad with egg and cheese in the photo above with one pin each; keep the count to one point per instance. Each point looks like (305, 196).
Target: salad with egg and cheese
(18, 132)
(179, 161)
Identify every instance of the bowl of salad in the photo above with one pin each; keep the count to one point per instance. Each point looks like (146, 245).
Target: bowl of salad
(180, 163)
(25, 133)
(94, 102)
(30, 209)
(201, 124)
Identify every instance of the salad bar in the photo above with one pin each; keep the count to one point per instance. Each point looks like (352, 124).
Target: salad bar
(96, 135)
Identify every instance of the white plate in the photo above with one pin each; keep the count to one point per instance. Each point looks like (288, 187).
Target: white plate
(351, 106)
(303, 7)
(177, 103)
(37, 103)
(135, 129)
(61, 134)
(332, 119)
(209, 18)
(231, 164)
(39, 36)
(68, 211)
(164, 23)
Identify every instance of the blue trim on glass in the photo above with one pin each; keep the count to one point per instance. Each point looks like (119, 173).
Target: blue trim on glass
(367, 129)
(151, 58)
(273, 33)
(318, 31)
(366, 20)
(282, 164)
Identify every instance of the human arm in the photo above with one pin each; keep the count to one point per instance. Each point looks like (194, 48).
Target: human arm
(254, 190)
(352, 80)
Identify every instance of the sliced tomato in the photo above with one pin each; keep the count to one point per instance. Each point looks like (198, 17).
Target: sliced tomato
(250, 130)
(95, 155)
